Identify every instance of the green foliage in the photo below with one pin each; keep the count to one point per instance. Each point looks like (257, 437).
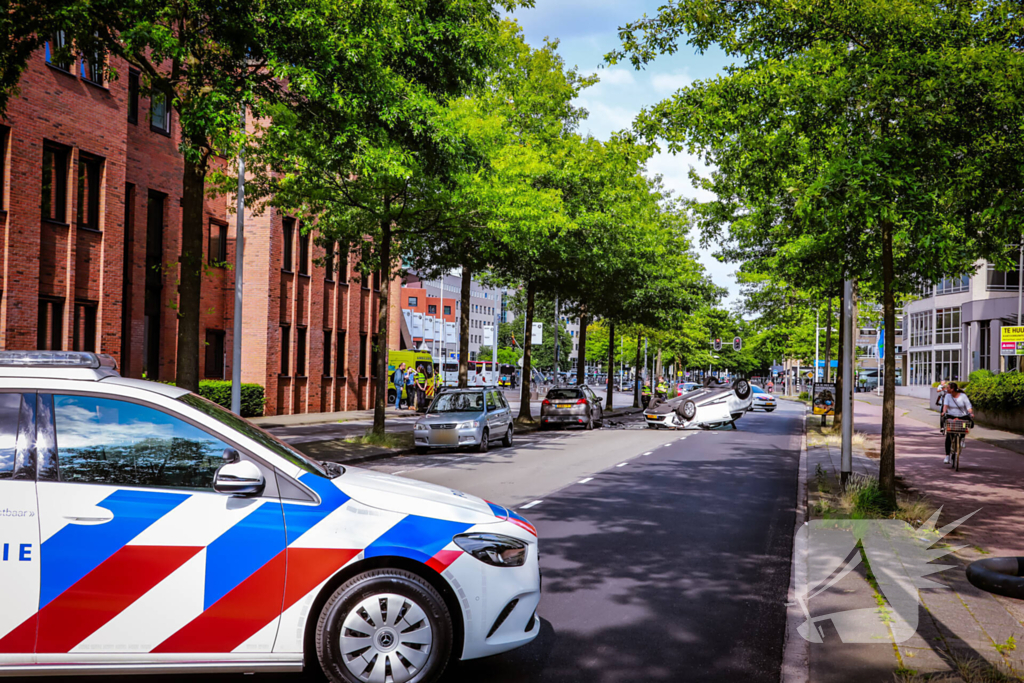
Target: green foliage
(219, 391)
(979, 374)
(804, 396)
(1004, 391)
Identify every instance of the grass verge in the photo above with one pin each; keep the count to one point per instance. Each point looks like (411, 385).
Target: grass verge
(393, 440)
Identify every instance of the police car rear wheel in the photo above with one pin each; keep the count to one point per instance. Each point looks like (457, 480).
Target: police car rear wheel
(384, 624)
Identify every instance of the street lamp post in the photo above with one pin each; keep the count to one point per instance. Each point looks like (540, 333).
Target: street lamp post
(846, 461)
(236, 342)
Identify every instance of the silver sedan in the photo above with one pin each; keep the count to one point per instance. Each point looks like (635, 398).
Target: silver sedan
(465, 417)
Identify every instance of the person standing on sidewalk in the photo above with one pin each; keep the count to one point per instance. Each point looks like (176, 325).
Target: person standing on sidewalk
(410, 390)
(421, 389)
(398, 379)
(955, 404)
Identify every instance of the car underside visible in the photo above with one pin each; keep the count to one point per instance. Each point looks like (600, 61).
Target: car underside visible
(712, 405)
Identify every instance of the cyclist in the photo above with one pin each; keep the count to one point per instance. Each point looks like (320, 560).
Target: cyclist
(955, 404)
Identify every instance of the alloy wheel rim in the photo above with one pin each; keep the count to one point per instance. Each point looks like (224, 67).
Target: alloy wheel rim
(386, 638)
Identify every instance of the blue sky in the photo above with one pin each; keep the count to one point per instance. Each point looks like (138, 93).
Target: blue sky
(588, 29)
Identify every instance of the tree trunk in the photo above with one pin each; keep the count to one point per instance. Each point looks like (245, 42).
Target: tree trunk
(190, 278)
(636, 374)
(828, 343)
(581, 353)
(611, 366)
(467, 289)
(887, 464)
(381, 397)
(838, 410)
(524, 390)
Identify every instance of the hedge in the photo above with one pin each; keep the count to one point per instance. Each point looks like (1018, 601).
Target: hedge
(219, 391)
(1004, 391)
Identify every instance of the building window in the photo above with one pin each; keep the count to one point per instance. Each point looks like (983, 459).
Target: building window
(303, 253)
(985, 345)
(952, 285)
(90, 170)
(50, 327)
(431, 309)
(339, 351)
(133, 96)
(447, 310)
(362, 355)
(4, 136)
(56, 48)
(414, 301)
(376, 280)
(329, 262)
(1002, 280)
(947, 365)
(215, 354)
(920, 368)
(55, 183)
(343, 269)
(300, 352)
(921, 329)
(947, 326)
(374, 356)
(327, 352)
(217, 253)
(84, 331)
(289, 236)
(286, 350)
(92, 67)
(160, 113)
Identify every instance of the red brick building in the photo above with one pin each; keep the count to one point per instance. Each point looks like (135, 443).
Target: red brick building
(90, 205)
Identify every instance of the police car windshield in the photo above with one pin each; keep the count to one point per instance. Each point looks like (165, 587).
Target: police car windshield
(250, 430)
(458, 402)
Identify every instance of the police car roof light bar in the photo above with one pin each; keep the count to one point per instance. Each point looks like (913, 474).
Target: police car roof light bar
(67, 359)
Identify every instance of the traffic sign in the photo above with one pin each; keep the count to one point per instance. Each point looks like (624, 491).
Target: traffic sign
(718, 344)
(737, 344)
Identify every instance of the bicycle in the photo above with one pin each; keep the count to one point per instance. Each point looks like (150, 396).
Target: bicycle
(959, 428)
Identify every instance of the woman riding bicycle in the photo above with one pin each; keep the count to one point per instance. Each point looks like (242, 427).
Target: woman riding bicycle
(955, 404)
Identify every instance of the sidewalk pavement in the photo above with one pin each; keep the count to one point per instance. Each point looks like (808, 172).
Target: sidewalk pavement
(957, 622)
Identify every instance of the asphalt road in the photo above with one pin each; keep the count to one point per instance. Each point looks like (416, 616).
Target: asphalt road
(665, 555)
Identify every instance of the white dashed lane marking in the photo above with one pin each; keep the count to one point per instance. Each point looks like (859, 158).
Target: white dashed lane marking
(530, 505)
(621, 464)
(584, 481)
(648, 452)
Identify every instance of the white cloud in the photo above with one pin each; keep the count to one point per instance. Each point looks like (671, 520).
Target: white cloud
(666, 84)
(604, 119)
(675, 170)
(616, 77)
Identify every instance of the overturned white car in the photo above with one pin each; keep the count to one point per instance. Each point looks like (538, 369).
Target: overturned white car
(712, 405)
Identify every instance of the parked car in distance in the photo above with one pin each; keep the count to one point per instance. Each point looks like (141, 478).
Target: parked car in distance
(458, 418)
(761, 399)
(578, 406)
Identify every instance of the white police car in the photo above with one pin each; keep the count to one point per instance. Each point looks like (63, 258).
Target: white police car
(143, 528)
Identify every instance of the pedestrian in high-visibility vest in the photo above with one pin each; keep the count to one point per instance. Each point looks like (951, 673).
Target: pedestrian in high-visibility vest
(662, 387)
(421, 389)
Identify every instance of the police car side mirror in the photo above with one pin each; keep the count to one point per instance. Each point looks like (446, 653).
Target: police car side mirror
(240, 478)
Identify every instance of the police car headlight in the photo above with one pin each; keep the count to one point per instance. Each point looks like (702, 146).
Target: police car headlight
(494, 549)
(420, 427)
(471, 424)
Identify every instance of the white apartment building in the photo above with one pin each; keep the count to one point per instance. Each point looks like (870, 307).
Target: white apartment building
(954, 328)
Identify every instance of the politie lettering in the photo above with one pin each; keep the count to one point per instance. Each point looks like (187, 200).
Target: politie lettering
(22, 550)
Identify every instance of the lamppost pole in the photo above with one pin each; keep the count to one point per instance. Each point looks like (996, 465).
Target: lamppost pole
(236, 341)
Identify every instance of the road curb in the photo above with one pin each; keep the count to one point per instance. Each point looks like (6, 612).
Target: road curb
(796, 650)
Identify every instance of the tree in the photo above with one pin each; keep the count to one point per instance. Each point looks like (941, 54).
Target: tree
(373, 155)
(205, 59)
(875, 132)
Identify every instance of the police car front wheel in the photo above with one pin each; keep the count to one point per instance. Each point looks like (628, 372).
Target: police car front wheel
(384, 625)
